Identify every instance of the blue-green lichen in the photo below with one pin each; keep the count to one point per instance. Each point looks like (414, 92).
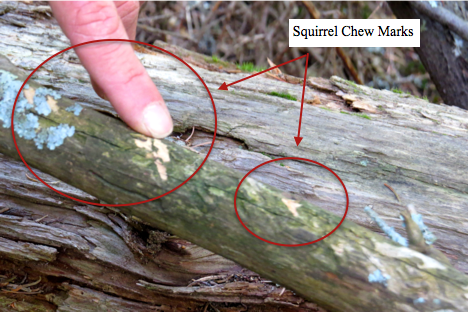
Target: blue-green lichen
(42, 107)
(388, 230)
(53, 136)
(75, 109)
(378, 277)
(9, 88)
(26, 123)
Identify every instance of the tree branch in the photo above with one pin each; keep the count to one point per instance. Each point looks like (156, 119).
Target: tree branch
(443, 16)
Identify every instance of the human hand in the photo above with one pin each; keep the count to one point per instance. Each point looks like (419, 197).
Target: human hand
(116, 73)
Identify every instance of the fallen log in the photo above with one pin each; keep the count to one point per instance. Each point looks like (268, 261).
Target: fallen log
(90, 257)
(337, 266)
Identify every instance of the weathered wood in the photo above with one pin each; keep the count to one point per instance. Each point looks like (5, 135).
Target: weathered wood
(202, 211)
(253, 118)
(67, 243)
(410, 144)
(26, 251)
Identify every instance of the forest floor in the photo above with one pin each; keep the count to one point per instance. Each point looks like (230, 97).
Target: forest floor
(251, 34)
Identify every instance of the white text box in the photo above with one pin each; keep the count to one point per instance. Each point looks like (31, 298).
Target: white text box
(354, 32)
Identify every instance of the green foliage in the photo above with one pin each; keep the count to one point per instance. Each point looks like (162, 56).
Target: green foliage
(326, 108)
(413, 67)
(357, 114)
(216, 60)
(425, 82)
(281, 164)
(351, 83)
(362, 116)
(250, 67)
(356, 88)
(265, 154)
(283, 95)
(366, 11)
(423, 26)
(399, 91)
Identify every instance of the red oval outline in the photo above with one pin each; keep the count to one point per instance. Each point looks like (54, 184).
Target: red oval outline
(291, 245)
(114, 205)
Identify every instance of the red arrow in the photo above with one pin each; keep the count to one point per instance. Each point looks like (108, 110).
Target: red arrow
(298, 138)
(225, 86)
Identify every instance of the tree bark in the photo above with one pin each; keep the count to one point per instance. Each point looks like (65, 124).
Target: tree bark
(443, 53)
(92, 259)
(400, 141)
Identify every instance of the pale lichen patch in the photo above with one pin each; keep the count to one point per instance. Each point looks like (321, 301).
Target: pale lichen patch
(216, 192)
(53, 136)
(146, 144)
(161, 169)
(339, 249)
(292, 205)
(29, 95)
(75, 109)
(27, 124)
(45, 101)
(106, 154)
(253, 186)
(378, 277)
(163, 152)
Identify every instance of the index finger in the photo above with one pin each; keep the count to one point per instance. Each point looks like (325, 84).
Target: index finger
(114, 66)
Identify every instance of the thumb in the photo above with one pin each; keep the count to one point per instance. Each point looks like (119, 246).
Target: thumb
(113, 66)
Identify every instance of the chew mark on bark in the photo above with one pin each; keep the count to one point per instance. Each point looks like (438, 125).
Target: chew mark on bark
(292, 205)
(52, 103)
(159, 156)
(29, 95)
(161, 170)
(143, 144)
(162, 152)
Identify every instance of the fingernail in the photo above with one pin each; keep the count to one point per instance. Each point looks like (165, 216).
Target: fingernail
(98, 90)
(157, 120)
